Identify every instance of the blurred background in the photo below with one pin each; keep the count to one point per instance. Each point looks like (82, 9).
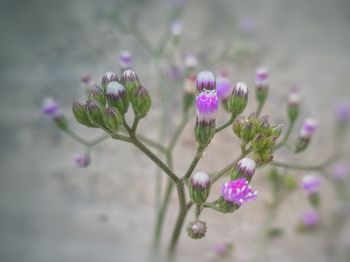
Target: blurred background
(51, 210)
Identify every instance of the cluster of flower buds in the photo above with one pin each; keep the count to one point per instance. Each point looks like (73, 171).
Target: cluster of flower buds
(307, 131)
(260, 134)
(311, 185)
(293, 104)
(106, 106)
(52, 109)
(207, 104)
(261, 84)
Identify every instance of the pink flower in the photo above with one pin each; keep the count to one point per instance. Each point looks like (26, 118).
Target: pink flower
(238, 191)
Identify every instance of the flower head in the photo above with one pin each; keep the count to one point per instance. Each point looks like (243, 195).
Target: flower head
(241, 90)
(246, 166)
(223, 87)
(81, 160)
(107, 78)
(340, 171)
(199, 187)
(205, 81)
(238, 191)
(261, 77)
(196, 229)
(200, 179)
(207, 104)
(310, 219)
(309, 128)
(51, 107)
(311, 183)
(342, 112)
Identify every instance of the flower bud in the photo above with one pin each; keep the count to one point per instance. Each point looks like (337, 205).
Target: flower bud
(81, 160)
(244, 168)
(191, 62)
(248, 132)
(205, 81)
(96, 93)
(189, 92)
(196, 229)
(125, 60)
(141, 102)
(94, 111)
(130, 80)
(238, 191)
(86, 79)
(306, 133)
(112, 119)
(107, 78)
(207, 104)
(309, 221)
(276, 131)
(199, 187)
(80, 114)
(239, 98)
(311, 184)
(293, 104)
(238, 125)
(117, 97)
(261, 83)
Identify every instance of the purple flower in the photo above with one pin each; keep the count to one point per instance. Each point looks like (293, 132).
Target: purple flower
(238, 191)
(207, 104)
(310, 219)
(220, 248)
(311, 183)
(176, 72)
(261, 77)
(223, 87)
(342, 112)
(81, 160)
(340, 171)
(51, 107)
(125, 60)
(205, 81)
(308, 129)
(246, 166)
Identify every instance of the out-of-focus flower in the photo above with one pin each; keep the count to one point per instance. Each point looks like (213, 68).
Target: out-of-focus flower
(342, 112)
(86, 79)
(51, 107)
(310, 219)
(238, 191)
(311, 183)
(125, 60)
(191, 61)
(308, 129)
(293, 104)
(261, 78)
(81, 160)
(340, 171)
(176, 28)
(223, 87)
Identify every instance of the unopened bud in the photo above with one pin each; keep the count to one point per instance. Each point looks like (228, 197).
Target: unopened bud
(81, 160)
(130, 80)
(239, 99)
(199, 187)
(94, 111)
(261, 83)
(80, 114)
(112, 119)
(244, 168)
(96, 93)
(117, 97)
(293, 104)
(307, 131)
(196, 229)
(107, 78)
(141, 102)
(238, 125)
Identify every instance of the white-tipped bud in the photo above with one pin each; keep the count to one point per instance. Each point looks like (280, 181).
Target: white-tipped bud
(199, 187)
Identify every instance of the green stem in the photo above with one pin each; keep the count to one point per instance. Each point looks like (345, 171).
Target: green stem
(306, 167)
(155, 159)
(134, 125)
(229, 122)
(286, 136)
(152, 143)
(212, 206)
(76, 137)
(260, 107)
(194, 163)
(180, 219)
(178, 131)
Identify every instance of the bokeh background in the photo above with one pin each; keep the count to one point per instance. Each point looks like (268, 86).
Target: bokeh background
(51, 210)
